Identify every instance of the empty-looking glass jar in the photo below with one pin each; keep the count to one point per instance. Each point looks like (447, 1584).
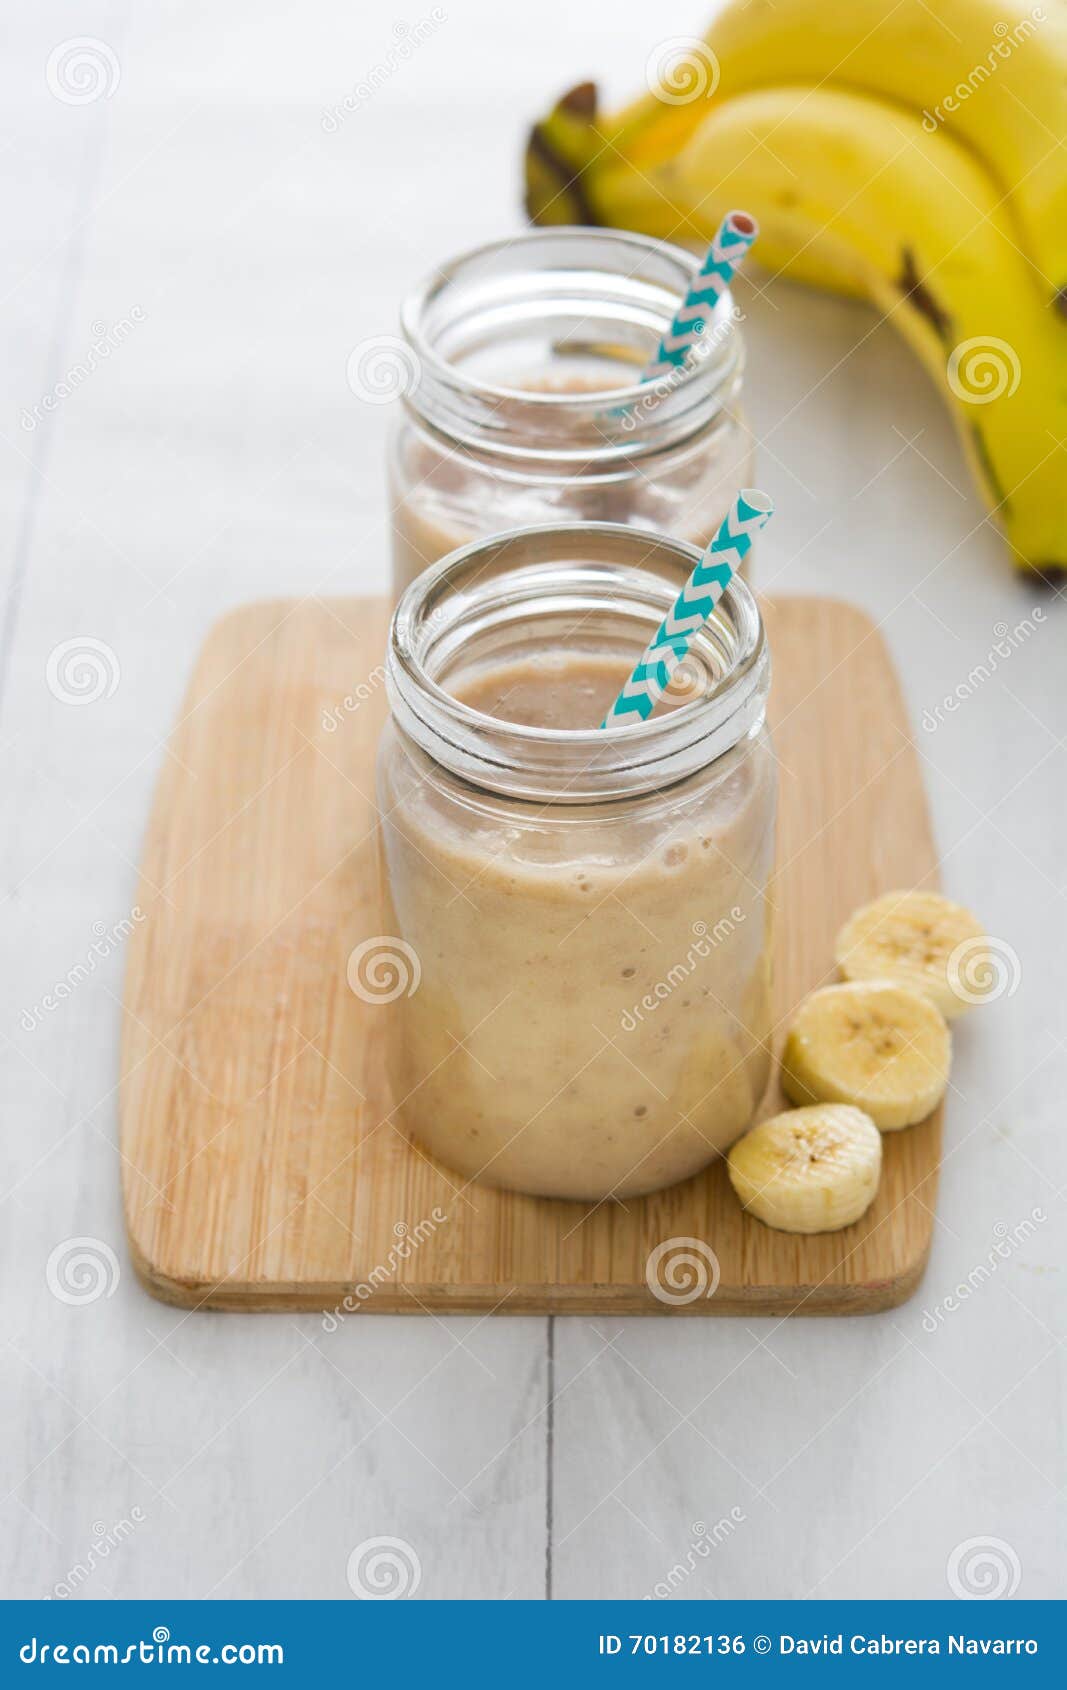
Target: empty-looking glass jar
(586, 912)
(525, 404)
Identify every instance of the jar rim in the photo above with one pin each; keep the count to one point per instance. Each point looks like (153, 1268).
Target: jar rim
(601, 564)
(643, 415)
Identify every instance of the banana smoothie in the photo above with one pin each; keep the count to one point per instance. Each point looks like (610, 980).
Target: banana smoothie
(524, 405)
(441, 503)
(593, 1010)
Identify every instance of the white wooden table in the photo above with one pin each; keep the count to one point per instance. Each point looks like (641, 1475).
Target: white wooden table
(216, 454)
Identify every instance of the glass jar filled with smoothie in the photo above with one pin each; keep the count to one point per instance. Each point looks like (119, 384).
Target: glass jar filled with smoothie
(589, 908)
(527, 406)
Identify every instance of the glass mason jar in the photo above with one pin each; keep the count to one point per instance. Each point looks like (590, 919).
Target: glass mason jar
(584, 912)
(525, 405)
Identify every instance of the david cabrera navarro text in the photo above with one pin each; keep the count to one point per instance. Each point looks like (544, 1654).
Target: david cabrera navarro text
(954, 1644)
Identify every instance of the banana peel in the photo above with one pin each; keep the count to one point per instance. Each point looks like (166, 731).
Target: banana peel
(860, 196)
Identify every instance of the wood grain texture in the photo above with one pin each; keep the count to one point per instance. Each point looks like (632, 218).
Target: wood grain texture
(261, 1168)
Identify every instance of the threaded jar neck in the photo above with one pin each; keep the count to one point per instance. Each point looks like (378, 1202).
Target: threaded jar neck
(581, 588)
(532, 349)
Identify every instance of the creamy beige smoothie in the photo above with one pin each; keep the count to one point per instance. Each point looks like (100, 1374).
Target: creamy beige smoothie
(523, 403)
(441, 501)
(593, 1012)
(429, 523)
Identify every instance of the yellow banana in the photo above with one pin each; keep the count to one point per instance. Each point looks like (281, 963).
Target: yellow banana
(998, 86)
(924, 942)
(872, 1045)
(860, 193)
(808, 1170)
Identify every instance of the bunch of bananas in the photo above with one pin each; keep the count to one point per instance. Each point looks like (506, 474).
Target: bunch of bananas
(913, 155)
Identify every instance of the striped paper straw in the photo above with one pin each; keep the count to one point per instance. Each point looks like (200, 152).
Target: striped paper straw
(736, 233)
(691, 609)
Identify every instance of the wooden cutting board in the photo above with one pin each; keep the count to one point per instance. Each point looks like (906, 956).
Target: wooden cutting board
(260, 1167)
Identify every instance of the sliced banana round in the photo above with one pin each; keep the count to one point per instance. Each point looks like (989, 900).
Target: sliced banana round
(918, 939)
(808, 1170)
(873, 1044)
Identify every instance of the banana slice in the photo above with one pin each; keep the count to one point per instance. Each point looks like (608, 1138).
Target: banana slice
(918, 939)
(808, 1170)
(870, 1043)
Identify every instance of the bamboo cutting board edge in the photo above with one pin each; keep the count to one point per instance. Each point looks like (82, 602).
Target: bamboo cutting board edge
(812, 1302)
(239, 657)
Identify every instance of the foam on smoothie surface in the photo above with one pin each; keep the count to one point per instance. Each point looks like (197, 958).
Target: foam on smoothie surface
(571, 690)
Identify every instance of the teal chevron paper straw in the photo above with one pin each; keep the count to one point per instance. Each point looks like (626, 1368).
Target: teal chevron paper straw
(735, 235)
(691, 609)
